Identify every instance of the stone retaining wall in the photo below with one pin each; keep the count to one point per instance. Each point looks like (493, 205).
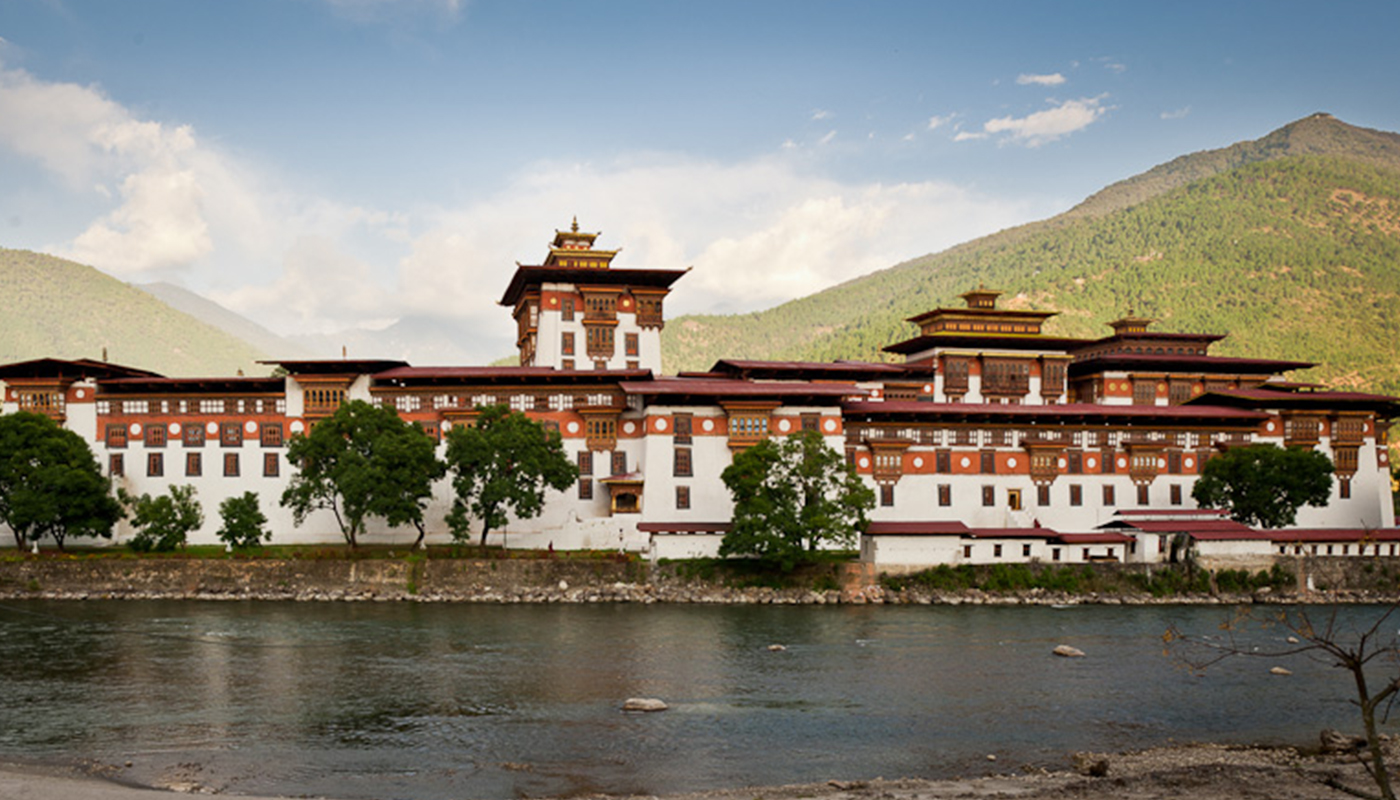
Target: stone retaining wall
(569, 581)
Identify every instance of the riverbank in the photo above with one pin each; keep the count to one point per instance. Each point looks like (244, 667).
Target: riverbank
(414, 578)
(1199, 771)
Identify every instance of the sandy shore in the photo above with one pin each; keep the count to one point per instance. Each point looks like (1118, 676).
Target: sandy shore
(1201, 772)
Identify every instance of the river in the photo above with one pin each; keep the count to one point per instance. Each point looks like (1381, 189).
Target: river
(427, 701)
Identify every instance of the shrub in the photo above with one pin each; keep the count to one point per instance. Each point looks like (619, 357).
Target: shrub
(243, 522)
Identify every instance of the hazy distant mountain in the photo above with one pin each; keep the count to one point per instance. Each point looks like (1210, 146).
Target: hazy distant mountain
(1290, 244)
(232, 323)
(53, 307)
(420, 340)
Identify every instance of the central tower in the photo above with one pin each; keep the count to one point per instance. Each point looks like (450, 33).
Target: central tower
(576, 312)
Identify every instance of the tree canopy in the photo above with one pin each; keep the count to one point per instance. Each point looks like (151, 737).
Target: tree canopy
(244, 523)
(163, 523)
(1265, 485)
(791, 498)
(50, 483)
(363, 461)
(500, 467)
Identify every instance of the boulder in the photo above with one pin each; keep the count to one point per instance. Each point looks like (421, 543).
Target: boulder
(1338, 742)
(644, 704)
(1280, 671)
(777, 648)
(1068, 652)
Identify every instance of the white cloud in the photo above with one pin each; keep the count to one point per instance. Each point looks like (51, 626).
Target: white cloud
(935, 122)
(1046, 126)
(968, 136)
(830, 135)
(1180, 113)
(821, 114)
(1054, 79)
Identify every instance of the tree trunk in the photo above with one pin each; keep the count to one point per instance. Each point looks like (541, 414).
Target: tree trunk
(1379, 773)
(485, 529)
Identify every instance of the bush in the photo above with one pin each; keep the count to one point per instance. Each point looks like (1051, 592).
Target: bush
(243, 522)
(163, 523)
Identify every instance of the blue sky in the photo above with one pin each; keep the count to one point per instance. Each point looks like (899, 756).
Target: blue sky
(326, 164)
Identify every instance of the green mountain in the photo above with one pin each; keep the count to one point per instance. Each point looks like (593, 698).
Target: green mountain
(1290, 244)
(50, 307)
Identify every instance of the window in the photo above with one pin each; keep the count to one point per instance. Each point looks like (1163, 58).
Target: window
(1344, 488)
(682, 428)
(1176, 494)
(193, 435)
(566, 343)
(943, 461)
(155, 464)
(1076, 462)
(945, 495)
(1107, 460)
(967, 551)
(116, 436)
(155, 435)
(996, 551)
(682, 465)
(231, 434)
(1025, 551)
(585, 487)
(631, 345)
(1013, 499)
(989, 496)
(231, 465)
(1054, 554)
(1042, 495)
(748, 426)
(194, 465)
(619, 462)
(115, 465)
(682, 497)
(989, 462)
(811, 422)
(1142, 495)
(1109, 498)
(272, 463)
(1174, 462)
(886, 494)
(568, 311)
(1076, 494)
(568, 364)
(270, 433)
(1144, 392)
(585, 463)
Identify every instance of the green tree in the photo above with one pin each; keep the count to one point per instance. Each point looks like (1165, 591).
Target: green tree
(1263, 484)
(163, 523)
(244, 523)
(791, 498)
(500, 467)
(50, 484)
(363, 461)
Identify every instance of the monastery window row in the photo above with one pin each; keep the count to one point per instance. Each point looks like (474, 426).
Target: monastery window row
(156, 435)
(203, 405)
(1016, 437)
(194, 465)
(49, 402)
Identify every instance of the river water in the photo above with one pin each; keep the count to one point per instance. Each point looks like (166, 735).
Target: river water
(425, 701)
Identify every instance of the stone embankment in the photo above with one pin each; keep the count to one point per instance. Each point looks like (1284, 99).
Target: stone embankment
(510, 581)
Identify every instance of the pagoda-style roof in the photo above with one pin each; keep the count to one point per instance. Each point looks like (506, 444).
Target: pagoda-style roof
(817, 370)
(1261, 398)
(337, 366)
(456, 376)
(529, 278)
(74, 370)
(1031, 343)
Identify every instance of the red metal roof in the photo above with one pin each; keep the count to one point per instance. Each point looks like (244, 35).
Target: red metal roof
(437, 375)
(986, 341)
(902, 528)
(1012, 533)
(236, 385)
(1168, 362)
(725, 387)
(77, 369)
(338, 366)
(1176, 513)
(1205, 529)
(1098, 537)
(1054, 413)
(845, 370)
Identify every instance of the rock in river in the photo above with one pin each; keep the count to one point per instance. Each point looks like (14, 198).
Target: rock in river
(1068, 652)
(644, 704)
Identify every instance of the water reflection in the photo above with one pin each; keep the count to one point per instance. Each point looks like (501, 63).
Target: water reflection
(429, 701)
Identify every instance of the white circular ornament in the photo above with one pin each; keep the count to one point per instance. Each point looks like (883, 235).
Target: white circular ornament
(918, 462)
(572, 427)
(1161, 463)
(1269, 426)
(1122, 462)
(80, 393)
(864, 462)
(135, 429)
(1011, 462)
(250, 426)
(966, 462)
(784, 426)
(212, 428)
(298, 426)
(708, 425)
(661, 424)
(830, 426)
(1190, 462)
(1062, 463)
(629, 428)
(174, 429)
(1092, 463)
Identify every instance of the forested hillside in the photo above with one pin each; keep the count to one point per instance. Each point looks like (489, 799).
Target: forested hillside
(50, 307)
(1293, 253)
